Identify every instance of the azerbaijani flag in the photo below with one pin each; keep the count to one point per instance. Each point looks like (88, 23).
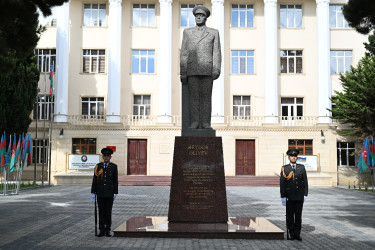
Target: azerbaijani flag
(362, 164)
(372, 153)
(2, 151)
(9, 152)
(51, 81)
(301, 159)
(28, 150)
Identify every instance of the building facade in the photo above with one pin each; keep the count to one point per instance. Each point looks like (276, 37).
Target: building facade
(116, 83)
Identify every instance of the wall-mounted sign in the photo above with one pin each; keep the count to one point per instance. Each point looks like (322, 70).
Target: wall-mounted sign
(83, 162)
(310, 161)
(112, 147)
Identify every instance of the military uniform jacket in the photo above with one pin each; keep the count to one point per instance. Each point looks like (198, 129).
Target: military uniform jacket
(105, 181)
(297, 186)
(200, 52)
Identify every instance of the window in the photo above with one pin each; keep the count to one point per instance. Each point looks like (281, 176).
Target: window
(187, 17)
(93, 61)
(290, 16)
(94, 14)
(43, 109)
(336, 18)
(242, 15)
(291, 107)
(305, 147)
(345, 154)
(340, 61)
(291, 61)
(144, 15)
(83, 146)
(142, 105)
(40, 151)
(49, 21)
(143, 61)
(93, 107)
(242, 61)
(45, 59)
(241, 107)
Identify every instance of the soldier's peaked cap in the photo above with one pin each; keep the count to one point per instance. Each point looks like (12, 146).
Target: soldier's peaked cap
(293, 152)
(107, 151)
(200, 9)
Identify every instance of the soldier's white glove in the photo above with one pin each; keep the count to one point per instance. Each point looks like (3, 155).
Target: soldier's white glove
(283, 201)
(304, 198)
(92, 198)
(114, 196)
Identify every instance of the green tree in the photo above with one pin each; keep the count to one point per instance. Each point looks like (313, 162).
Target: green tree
(360, 15)
(19, 75)
(355, 105)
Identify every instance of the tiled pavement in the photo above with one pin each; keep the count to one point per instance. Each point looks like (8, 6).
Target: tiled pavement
(62, 217)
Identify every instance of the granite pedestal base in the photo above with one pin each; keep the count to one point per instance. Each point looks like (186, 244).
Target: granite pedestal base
(235, 228)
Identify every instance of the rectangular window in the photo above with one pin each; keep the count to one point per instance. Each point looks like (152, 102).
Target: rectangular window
(40, 151)
(93, 61)
(345, 153)
(49, 21)
(43, 109)
(290, 16)
(340, 61)
(45, 59)
(305, 147)
(242, 61)
(93, 107)
(94, 14)
(187, 17)
(291, 107)
(336, 18)
(83, 145)
(144, 15)
(143, 61)
(242, 15)
(142, 106)
(291, 61)
(241, 107)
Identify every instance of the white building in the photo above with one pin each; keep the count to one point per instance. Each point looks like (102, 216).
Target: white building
(117, 84)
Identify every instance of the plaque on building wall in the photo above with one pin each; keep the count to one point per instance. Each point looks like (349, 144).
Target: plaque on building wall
(82, 162)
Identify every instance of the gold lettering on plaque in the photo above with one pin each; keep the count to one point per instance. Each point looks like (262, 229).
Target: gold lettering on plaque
(198, 150)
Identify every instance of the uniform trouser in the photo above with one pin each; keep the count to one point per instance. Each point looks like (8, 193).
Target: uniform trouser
(200, 95)
(294, 217)
(105, 213)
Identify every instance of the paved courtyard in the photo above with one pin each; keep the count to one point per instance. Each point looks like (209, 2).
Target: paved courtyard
(62, 217)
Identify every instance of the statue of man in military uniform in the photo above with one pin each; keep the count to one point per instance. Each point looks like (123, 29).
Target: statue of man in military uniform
(200, 65)
(105, 188)
(293, 191)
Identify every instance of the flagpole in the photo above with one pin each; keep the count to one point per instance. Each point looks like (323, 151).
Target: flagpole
(50, 133)
(44, 125)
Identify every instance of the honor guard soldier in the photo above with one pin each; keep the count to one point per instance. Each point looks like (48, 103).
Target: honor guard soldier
(105, 188)
(293, 191)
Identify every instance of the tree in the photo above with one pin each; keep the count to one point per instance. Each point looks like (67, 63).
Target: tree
(19, 75)
(360, 15)
(355, 105)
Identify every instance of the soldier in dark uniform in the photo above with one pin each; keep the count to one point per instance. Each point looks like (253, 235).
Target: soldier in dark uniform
(293, 190)
(105, 186)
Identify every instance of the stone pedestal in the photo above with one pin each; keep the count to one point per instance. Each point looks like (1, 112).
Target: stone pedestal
(198, 191)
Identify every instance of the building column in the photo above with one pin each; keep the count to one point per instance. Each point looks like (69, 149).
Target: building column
(165, 62)
(324, 76)
(218, 88)
(62, 63)
(271, 97)
(114, 61)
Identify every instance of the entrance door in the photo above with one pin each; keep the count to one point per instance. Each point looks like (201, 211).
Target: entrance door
(245, 157)
(137, 157)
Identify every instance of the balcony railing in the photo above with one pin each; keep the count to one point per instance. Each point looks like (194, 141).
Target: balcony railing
(175, 121)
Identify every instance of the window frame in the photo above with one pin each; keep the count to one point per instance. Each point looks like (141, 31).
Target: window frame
(294, 12)
(249, 8)
(148, 13)
(246, 58)
(336, 58)
(345, 24)
(90, 102)
(44, 60)
(91, 22)
(79, 143)
(41, 147)
(295, 59)
(148, 58)
(241, 108)
(145, 106)
(99, 57)
(349, 154)
(190, 16)
(292, 108)
(302, 148)
(47, 104)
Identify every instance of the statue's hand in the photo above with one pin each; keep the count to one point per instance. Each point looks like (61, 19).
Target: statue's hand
(215, 76)
(183, 79)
